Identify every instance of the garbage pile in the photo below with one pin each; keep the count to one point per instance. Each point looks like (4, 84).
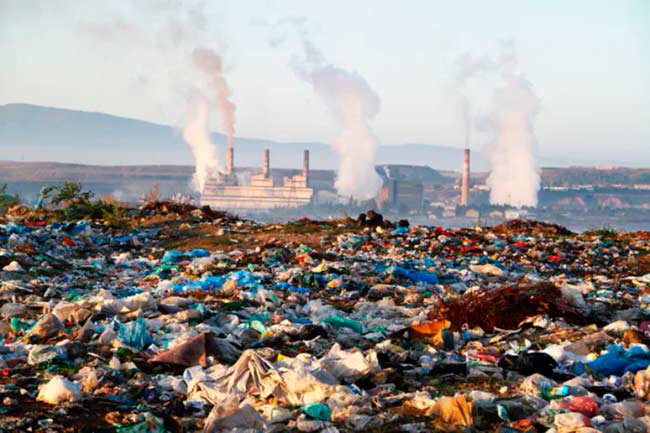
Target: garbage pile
(167, 207)
(338, 326)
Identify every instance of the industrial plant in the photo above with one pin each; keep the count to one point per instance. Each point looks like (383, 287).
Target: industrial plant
(403, 187)
(263, 192)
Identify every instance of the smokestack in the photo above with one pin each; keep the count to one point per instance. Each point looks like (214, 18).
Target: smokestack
(266, 169)
(305, 165)
(230, 158)
(464, 187)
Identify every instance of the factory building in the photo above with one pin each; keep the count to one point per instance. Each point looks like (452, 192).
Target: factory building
(400, 191)
(264, 192)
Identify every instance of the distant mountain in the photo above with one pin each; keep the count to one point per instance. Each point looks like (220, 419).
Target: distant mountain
(37, 133)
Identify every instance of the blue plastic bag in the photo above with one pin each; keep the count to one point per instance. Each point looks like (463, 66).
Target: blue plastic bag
(173, 256)
(198, 252)
(617, 361)
(135, 334)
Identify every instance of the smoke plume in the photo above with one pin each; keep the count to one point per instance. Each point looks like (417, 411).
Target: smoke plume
(468, 67)
(210, 63)
(514, 176)
(508, 116)
(197, 135)
(171, 53)
(353, 102)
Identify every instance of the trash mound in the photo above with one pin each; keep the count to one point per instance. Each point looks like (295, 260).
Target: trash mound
(26, 215)
(642, 264)
(536, 228)
(167, 207)
(506, 307)
(195, 321)
(373, 219)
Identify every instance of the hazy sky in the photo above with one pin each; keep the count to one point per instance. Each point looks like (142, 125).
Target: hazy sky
(588, 60)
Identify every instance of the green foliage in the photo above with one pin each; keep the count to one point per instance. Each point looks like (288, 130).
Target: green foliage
(575, 176)
(75, 204)
(70, 193)
(115, 216)
(7, 200)
(604, 232)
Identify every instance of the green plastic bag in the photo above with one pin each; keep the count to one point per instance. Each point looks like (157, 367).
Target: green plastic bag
(341, 322)
(317, 411)
(151, 424)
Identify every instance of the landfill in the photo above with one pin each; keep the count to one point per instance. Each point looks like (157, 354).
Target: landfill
(192, 320)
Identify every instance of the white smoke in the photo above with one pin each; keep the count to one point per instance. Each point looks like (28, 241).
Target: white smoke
(171, 53)
(468, 69)
(353, 102)
(211, 64)
(197, 135)
(508, 114)
(514, 176)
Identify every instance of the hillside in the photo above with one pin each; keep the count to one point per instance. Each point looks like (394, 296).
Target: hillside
(36, 133)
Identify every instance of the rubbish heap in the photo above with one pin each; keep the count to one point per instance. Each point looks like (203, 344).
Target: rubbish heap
(197, 321)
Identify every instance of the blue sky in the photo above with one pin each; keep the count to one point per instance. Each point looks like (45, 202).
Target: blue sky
(588, 60)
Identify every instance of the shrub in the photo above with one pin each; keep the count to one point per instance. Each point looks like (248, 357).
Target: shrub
(7, 201)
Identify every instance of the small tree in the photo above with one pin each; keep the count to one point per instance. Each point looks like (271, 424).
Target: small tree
(115, 216)
(7, 201)
(70, 193)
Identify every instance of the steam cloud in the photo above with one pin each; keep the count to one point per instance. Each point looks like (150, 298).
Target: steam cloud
(514, 178)
(195, 74)
(196, 132)
(210, 63)
(351, 99)
(197, 135)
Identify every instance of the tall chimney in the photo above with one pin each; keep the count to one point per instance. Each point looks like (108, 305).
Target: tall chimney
(266, 169)
(464, 186)
(230, 158)
(305, 165)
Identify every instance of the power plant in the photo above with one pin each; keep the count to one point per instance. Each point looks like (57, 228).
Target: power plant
(263, 192)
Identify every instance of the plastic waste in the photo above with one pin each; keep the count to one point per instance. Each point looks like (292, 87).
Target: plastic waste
(342, 322)
(570, 422)
(135, 334)
(617, 361)
(317, 411)
(273, 325)
(642, 384)
(230, 417)
(151, 424)
(59, 390)
(47, 327)
(350, 366)
(452, 413)
(14, 266)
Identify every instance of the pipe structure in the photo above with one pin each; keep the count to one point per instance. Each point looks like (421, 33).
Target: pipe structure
(305, 165)
(266, 164)
(464, 186)
(230, 158)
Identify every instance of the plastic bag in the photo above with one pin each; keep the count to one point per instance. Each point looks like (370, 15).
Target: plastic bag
(317, 411)
(341, 322)
(48, 327)
(59, 390)
(135, 334)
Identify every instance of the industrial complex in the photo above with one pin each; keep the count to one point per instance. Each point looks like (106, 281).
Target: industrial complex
(263, 191)
(404, 187)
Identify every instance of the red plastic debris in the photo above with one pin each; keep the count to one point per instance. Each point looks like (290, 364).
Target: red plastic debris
(68, 242)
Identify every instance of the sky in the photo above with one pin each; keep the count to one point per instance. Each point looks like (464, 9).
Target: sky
(587, 60)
